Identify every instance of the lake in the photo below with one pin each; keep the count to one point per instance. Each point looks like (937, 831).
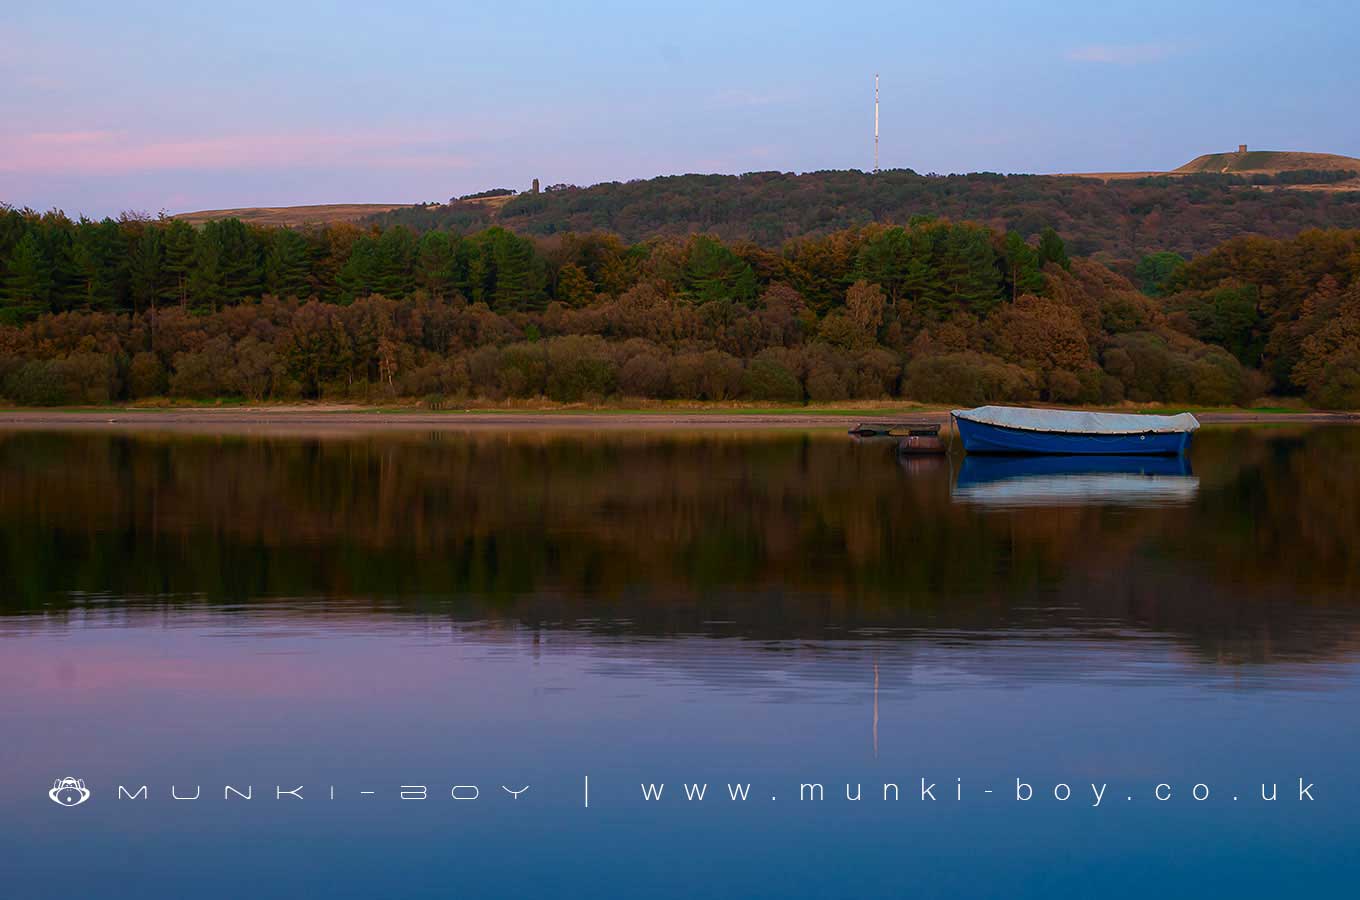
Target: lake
(510, 663)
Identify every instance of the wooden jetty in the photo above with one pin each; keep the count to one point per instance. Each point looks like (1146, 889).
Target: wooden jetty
(912, 437)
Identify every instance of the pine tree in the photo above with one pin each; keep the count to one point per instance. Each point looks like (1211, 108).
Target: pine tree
(287, 264)
(28, 282)
(713, 272)
(466, 253)
(435, 266)
(14, 224)
(1052, 249)
(180, 242)
(147, 269)
(241, 256)
(56, 234)
(395, 264)
(359, 276)
(227, 267)
(884, 260)
(507, 272)
(922, 280)
(969, 268)
(513, 262)
(207, 282)
(100, 258)
(1022, 267)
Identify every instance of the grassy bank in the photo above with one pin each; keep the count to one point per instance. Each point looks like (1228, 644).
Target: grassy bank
(1283, 408)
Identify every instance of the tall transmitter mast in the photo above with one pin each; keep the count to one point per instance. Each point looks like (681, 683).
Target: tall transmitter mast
(875, 123)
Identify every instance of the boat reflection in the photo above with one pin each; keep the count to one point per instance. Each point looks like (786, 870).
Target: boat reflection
(1028, 481)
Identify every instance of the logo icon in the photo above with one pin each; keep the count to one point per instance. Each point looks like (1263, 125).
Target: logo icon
(69, 792)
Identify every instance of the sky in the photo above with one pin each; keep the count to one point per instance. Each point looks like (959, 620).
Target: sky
(177, 106)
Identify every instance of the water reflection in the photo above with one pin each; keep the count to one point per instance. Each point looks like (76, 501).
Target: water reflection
(526, 608)
(773, 537)
(1020, 481)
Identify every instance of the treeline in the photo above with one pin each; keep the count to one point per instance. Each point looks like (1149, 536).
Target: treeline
(1114, 220)
(936, 311)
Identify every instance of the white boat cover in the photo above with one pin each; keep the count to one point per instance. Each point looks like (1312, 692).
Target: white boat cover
(1069, 421)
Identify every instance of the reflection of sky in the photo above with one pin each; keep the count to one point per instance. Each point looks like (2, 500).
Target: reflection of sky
(211, 697)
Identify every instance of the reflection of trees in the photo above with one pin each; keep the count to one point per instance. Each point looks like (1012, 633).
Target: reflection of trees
(1281, 515)
(779, 535)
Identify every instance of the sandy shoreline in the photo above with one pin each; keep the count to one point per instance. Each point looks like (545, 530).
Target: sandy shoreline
(350, 419)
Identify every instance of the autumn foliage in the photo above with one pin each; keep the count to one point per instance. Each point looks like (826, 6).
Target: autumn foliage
(939, 311)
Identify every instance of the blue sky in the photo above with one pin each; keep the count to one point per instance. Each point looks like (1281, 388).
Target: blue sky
(188, 105)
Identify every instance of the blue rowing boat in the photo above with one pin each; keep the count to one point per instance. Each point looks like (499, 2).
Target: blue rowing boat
(1010, 429)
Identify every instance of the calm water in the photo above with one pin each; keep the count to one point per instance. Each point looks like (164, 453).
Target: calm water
(478, 613)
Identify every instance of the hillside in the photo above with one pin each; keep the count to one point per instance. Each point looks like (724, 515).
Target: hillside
(1120, 219)
(1114, 216)
(322, 214)
(1268, 162)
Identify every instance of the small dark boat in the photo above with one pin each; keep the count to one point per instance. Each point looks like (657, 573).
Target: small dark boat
(1008, 429)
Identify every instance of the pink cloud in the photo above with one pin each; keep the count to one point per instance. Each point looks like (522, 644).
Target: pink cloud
(117, 153)
(62, 138)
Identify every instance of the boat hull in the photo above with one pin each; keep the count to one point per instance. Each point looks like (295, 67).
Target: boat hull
(980, 437)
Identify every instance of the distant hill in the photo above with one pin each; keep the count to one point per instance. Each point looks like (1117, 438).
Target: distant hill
(323, 214)
(1114, 215)
(1115, 218)
(320, 214)
(1289, 169)
(1268, 162)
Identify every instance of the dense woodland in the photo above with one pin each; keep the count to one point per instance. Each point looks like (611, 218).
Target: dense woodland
(1119, 220)
(936, 310)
